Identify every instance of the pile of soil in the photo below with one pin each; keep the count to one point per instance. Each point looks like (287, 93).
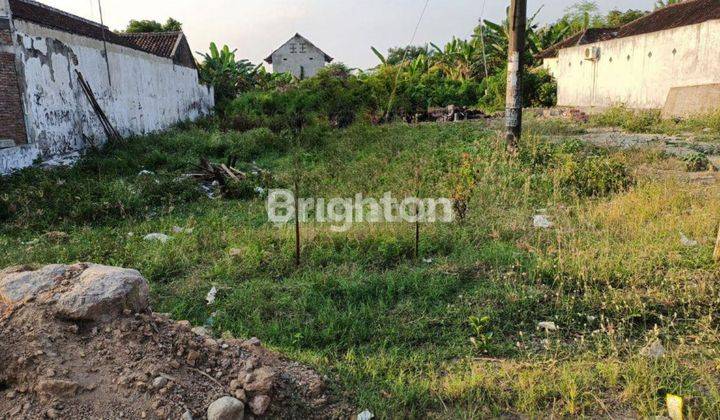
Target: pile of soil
(140, 365)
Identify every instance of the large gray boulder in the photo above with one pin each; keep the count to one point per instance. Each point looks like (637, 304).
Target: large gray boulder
(18, 284)
(103, 292)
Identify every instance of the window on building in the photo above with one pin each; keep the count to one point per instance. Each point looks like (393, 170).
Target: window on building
(302, 48)
(293, 48)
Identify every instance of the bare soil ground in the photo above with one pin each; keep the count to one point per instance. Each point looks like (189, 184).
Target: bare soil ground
(141, 366)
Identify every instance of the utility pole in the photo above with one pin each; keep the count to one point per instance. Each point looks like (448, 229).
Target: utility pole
(517, 19)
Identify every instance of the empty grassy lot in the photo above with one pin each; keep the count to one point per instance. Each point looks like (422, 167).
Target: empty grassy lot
(452, 335)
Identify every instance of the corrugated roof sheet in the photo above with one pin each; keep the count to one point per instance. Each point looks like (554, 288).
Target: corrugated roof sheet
(689, 12)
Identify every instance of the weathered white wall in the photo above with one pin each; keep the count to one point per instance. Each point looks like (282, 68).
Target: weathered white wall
(145, 93)
(305, 56)
(639, 71)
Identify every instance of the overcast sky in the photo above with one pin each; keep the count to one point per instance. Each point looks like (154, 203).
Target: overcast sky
(342, 28)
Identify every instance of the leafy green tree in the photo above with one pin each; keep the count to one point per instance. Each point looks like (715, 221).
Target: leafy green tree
(226, 74)
(583, 15)
(664, 3)
(411, 52)
(143, 26)
(616, 18)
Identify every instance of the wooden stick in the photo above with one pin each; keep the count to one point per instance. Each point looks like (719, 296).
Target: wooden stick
(297, 226)
(716, 254)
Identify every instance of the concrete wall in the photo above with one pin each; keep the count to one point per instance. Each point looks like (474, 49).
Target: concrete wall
(298, 58)
(639, 71)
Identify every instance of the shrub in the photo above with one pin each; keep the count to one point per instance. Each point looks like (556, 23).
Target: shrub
(697, 162)
(595, 176)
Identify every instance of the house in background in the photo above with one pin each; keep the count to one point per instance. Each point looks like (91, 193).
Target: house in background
(298, 57)
(666, 60)
(142, 82)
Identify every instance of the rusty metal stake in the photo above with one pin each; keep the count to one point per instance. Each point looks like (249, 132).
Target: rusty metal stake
(716, 254)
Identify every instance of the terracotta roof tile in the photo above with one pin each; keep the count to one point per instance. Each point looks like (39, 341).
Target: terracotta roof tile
(159, 43)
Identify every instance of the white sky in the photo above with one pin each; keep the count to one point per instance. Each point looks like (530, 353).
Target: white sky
(342, 28)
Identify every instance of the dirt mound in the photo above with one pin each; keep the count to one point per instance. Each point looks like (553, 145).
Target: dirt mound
(79, 342)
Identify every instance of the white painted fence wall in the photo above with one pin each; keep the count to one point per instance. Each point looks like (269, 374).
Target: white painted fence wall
(639, 71)
(144, 93)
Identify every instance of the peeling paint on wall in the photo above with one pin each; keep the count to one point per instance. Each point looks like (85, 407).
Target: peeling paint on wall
(148, 93)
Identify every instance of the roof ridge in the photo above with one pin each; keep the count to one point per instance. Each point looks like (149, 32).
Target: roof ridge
(150, 33)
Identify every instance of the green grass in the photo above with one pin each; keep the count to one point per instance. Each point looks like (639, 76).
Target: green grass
(703, 127)
(453, 338)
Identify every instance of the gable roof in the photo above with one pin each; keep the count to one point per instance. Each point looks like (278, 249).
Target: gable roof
(689, 12)
(162, 44)
(171, 45)
(269, 59)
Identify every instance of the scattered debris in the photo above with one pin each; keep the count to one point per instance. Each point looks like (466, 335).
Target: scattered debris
(178, 230)
(212, 294)
(687, 242)
(674, 406)
(117, 359)
(654, 350)
(427, 260)
(542, 222)
(65, 160)
(57, 236)
(365, 415)
(161, 237)
(451, 113)
(235, 252)
(547, 326)
(145, 172)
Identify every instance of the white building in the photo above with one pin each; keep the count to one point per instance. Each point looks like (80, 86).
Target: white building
(667, 60)
(298, 57)
(143, 83)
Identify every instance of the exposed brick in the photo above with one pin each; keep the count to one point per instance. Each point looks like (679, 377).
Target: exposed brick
(12, 119)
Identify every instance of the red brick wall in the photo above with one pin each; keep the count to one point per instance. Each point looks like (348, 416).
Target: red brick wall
(12, 120)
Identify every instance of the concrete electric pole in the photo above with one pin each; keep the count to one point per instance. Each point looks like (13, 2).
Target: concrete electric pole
(517, 19)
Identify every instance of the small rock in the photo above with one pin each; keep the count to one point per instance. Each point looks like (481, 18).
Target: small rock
(159, 382)
(259, 404)
(235, 252)
(160, 237)
(260, 381)
(226, 408)
(654, 350)
(57, 388)
(187, 415)
(52, 414)
(253, 342)
(192, 357)
(547, 326)
(184, 324)
(201, 331)
(240, 395)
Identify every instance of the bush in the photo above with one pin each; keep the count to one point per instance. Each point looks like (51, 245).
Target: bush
(594, 176)
(539, 90)
(634, 121)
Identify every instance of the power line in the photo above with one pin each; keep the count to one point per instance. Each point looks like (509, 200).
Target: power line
(407, 49)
